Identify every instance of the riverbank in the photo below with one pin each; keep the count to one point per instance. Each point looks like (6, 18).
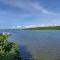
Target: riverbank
(43, 28)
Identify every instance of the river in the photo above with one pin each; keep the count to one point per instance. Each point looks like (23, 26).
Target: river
(41, 44)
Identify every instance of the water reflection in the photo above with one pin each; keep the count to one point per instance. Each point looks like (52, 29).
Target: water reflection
(25, 54)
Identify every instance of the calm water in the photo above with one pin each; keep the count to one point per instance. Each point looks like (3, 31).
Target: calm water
(42, 45)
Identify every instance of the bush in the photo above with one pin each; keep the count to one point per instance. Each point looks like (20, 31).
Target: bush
(8, 50)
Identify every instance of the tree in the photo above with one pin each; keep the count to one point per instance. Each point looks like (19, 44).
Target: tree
(8, 50)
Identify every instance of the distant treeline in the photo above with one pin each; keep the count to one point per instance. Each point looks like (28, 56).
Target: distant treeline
(44, 28)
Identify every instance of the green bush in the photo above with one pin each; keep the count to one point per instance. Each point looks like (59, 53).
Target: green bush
(8, 50)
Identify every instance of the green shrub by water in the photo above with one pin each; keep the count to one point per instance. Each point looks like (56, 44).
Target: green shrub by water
(8, 50)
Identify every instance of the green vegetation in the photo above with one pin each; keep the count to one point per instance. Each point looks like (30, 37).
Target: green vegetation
(44, 28)
(8, 50)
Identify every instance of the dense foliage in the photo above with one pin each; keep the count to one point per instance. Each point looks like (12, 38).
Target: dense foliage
(44, 28)
(8, 50)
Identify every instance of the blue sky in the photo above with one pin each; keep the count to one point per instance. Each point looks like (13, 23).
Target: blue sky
(29, 13)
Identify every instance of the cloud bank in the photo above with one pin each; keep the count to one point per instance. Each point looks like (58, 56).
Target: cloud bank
(26, 7)
(26, 13)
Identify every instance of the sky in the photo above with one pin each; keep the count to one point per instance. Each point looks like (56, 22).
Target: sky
(29, 13)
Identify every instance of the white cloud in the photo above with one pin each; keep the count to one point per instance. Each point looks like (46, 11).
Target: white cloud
(38, 25)
(38, 7)
(29, 26)
(28, 5)
(42, 25)
(14, 27)
(18, 26)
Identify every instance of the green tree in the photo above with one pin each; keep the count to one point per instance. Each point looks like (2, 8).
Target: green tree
(8, 50)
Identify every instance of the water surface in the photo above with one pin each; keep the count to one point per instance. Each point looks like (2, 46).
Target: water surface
(42, 45)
